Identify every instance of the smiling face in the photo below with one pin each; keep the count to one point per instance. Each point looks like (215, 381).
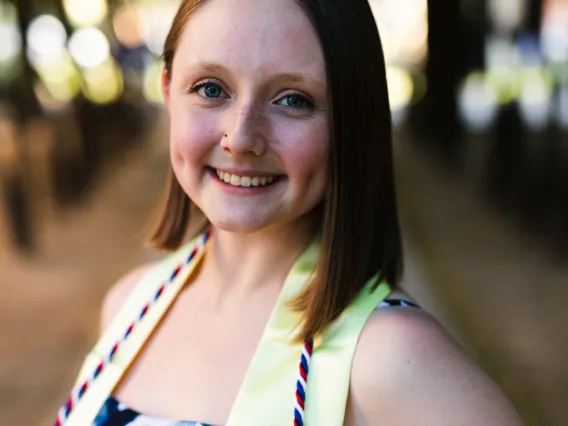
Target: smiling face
(248, 99)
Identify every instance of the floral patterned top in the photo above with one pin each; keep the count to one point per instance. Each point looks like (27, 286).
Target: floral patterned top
(114, 413)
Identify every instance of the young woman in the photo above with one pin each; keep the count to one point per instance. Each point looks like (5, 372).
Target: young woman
(284, 308)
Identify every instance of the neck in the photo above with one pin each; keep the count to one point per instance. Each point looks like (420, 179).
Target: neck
(240, 263)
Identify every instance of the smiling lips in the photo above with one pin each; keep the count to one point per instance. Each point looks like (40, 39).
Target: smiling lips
(245, 181)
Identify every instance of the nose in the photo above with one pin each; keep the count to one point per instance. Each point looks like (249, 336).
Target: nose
(245, 132)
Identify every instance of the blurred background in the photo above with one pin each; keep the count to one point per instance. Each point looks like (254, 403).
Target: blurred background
(479, 95)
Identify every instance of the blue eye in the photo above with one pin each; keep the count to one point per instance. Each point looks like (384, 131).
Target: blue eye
(212, 90)
(209, 90)
(295, 101)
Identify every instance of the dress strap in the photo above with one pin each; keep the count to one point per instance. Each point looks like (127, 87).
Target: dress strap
(106, 364)
(397, 302)
(330, 370)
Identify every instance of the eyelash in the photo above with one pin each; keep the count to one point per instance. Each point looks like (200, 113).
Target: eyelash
(204, 83)
(309, 104)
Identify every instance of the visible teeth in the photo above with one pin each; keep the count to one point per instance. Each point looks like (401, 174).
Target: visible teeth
(235, 180)
(245, 181)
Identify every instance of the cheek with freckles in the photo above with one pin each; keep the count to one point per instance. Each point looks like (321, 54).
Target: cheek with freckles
(305, 161)
(192, 137)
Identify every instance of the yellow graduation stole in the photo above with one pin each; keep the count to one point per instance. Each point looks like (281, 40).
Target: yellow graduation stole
(267, 394)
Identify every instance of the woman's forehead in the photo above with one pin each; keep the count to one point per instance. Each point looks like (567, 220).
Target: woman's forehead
(252, 34)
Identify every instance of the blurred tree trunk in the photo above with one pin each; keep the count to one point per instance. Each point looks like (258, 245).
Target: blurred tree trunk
(534, 16)
(436, 119)
(20, 91)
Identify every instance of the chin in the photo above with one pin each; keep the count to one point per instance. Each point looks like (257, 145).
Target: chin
(239, 226)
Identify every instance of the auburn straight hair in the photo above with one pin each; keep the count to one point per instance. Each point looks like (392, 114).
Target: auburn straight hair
(360, 231)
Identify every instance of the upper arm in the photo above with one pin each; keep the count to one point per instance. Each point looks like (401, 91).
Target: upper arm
(117, 294)
(408, 370)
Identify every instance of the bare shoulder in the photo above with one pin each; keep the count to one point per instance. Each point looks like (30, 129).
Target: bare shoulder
(408, 370)
(118, 293)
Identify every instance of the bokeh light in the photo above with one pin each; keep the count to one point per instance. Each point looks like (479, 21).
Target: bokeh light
(46, 35)
(152, 86)
(156, 19)
(11, 39)
(403, 25)
(554, 37)
(401, 92)
(103, 84)
(46, 38)
(507, 15)
(126, 24)
(82, 13)
(535, 97)
(60, 80)
(477, 103)
(89, 47)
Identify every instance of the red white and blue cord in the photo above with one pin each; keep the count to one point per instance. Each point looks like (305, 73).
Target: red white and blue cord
(76, 395)
(301, 384)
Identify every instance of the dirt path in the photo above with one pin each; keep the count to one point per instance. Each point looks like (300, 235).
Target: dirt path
(50, 306)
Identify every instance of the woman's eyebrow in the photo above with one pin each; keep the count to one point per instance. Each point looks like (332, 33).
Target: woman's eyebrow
(286, 76)
(207, 67)
(300, 78)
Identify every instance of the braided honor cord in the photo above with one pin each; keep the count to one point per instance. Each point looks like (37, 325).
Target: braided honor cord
(76, 395)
